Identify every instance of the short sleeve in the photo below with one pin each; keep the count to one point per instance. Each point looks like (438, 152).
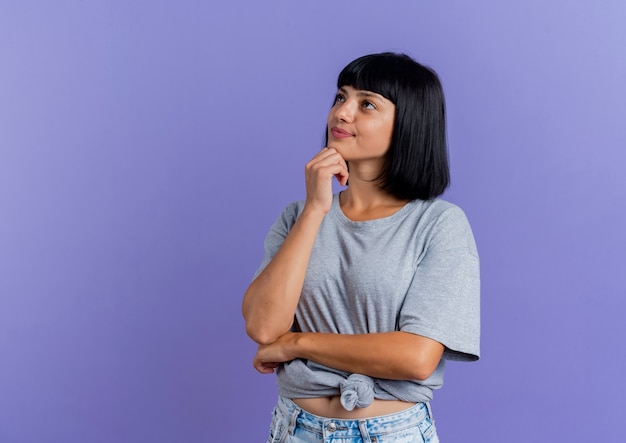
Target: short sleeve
(278, 232)
(443, 300)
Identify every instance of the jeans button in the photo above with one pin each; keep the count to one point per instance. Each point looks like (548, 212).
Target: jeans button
(332, 427)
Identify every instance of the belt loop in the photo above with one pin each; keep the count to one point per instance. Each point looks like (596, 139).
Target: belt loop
(365, 435)
(293, 419)
(430, 411)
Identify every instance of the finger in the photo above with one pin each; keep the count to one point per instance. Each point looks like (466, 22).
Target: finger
(324, 154)
(342, 177)
(336, 156)
(328, 160)
(323, 158)
(265, 367)
(332, 170)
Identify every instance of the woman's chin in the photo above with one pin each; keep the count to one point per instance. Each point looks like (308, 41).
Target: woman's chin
(337, 146)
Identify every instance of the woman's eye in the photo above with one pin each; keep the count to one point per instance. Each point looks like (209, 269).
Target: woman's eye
(339, 98)
(368, 105)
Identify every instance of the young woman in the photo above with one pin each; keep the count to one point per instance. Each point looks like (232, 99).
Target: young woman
(363, 295)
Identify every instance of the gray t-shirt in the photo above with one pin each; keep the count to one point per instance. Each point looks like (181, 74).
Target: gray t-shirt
(415, 271)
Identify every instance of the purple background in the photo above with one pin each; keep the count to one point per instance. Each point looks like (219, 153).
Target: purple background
(146, 147)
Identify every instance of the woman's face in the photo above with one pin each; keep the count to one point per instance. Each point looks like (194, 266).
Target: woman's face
(360, 124)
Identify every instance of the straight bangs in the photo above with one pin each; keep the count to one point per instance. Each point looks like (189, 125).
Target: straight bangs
(374, 74)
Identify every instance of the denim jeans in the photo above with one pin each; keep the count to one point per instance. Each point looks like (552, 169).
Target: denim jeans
(291, 424)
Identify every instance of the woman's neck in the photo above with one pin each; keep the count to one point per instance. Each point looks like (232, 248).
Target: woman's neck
(363, 201)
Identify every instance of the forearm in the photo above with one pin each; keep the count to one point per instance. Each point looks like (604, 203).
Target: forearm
(391, 355)
(270, 302)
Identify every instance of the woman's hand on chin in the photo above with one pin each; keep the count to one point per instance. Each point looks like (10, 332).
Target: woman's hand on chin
(319, 172)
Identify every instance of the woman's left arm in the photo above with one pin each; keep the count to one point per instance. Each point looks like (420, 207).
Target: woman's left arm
(392, 355)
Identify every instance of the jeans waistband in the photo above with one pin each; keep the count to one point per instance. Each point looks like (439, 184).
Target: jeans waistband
(349, 428)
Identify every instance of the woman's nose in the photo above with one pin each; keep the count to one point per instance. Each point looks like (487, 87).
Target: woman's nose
(345, 111)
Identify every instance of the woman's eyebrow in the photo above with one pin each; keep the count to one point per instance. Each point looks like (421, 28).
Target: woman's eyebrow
(368, 94)
(363, 93)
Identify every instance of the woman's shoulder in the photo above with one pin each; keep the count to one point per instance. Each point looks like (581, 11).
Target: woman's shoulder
(289, 214)
(438, 209)
(448, 224)
(293, 208)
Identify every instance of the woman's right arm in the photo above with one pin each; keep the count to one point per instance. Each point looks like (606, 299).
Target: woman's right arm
(270, 301)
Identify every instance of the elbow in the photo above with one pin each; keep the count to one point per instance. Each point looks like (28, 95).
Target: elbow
(255, 327)
(259, 331)
(422, 367)
(265, 323)
(424, 358)
(421, 374)
(260, 334)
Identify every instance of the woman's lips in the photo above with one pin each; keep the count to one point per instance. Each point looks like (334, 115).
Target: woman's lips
(340, 133)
